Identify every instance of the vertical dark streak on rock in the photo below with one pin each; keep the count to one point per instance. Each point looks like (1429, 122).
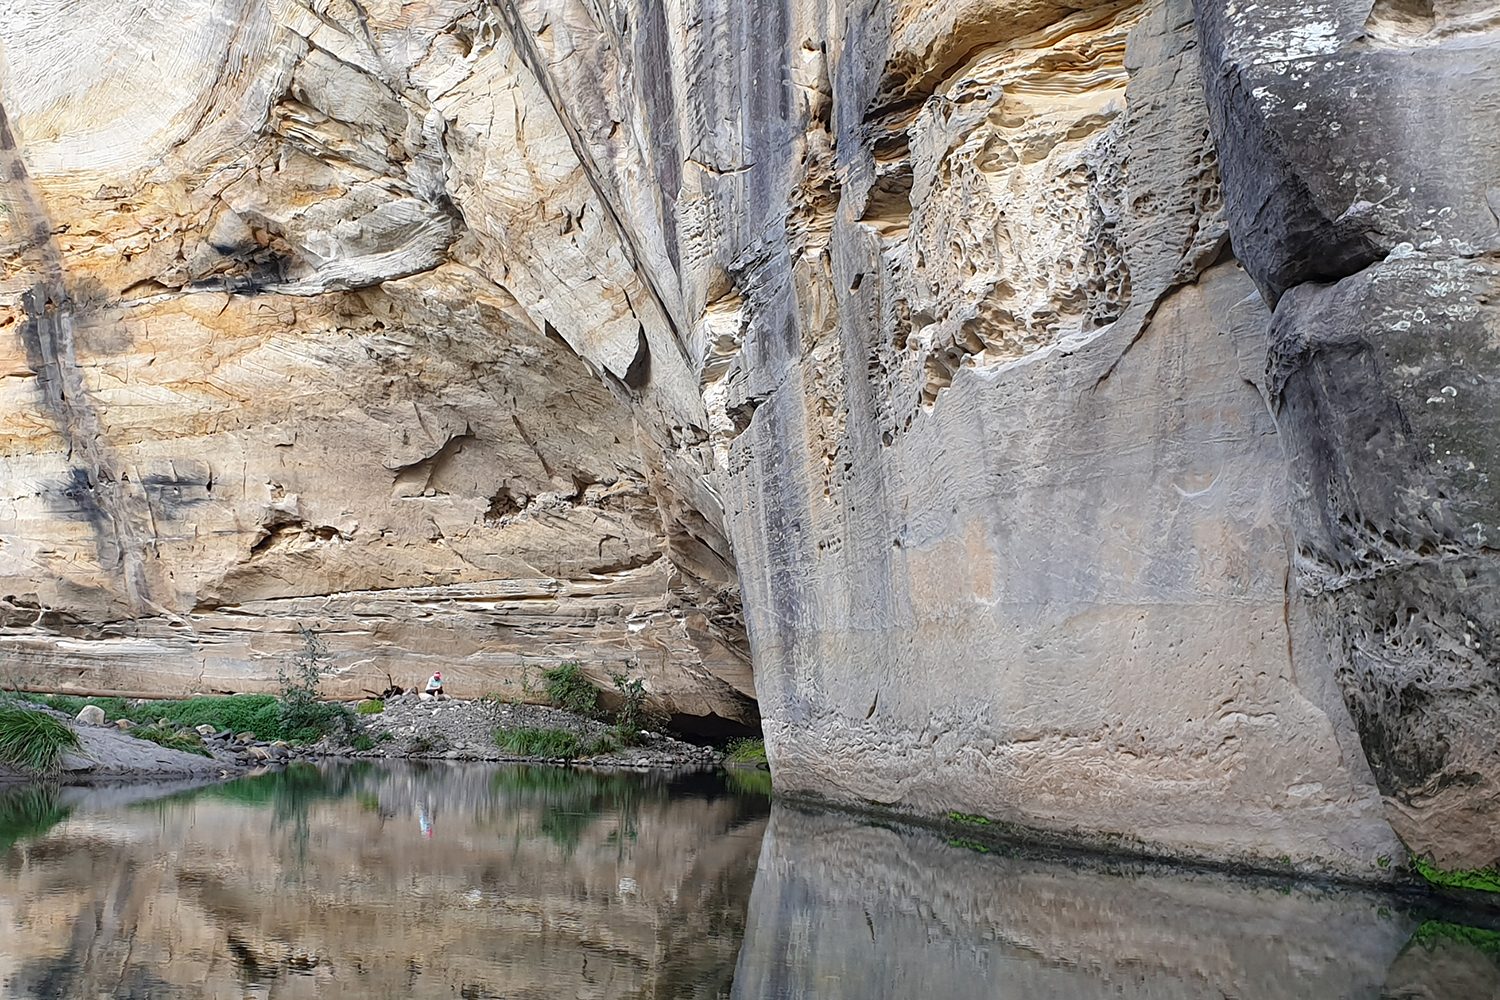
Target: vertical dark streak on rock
(654, 70)
(526, 48)
(91, 490)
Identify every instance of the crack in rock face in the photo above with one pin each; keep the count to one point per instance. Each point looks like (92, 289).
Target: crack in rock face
(1077, 411)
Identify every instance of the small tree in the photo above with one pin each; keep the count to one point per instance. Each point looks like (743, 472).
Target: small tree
(633, 715)
(304, 716)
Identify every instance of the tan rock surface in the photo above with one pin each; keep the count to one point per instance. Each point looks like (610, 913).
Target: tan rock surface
(543, 329)
(260, 374)
(426, 883)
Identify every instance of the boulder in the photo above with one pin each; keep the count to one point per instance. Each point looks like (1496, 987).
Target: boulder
(91, 715)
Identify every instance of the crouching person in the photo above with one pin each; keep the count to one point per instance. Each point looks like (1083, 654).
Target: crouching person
(434, 690)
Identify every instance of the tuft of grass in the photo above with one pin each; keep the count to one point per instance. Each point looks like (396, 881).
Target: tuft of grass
(363, 742)
(370, 706)
(241, 713)
(532, 742)
(34, 742)
(747, 752)
(1477, 879)
(967, 819)
(165, 736)
(569, 690)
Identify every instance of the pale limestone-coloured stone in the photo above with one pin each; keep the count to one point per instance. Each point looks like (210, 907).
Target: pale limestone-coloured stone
(473, 337)
(846, 911)
(91, 715)
(257, 360)
(239, 881)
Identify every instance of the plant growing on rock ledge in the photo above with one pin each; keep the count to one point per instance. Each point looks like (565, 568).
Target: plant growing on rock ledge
(1478, 880)
(568, 689)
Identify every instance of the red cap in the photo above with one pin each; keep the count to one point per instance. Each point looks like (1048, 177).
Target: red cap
(437, 673)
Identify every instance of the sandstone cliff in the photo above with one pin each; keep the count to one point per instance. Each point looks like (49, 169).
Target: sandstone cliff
(1088, 400)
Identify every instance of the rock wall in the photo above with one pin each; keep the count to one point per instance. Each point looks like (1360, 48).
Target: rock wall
(1090, 448)
(1364, 200)
(267, 365)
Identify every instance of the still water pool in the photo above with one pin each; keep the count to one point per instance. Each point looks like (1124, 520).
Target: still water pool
(530, 883)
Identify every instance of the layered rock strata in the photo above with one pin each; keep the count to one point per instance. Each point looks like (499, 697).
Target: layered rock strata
(267, 367)
(1087, 398)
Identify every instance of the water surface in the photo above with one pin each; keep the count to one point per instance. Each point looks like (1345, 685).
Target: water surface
(475, 881)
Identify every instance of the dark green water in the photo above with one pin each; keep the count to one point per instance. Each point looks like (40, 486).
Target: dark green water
(526, 883)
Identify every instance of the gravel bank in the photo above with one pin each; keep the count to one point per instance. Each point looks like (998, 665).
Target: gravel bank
(465, 730)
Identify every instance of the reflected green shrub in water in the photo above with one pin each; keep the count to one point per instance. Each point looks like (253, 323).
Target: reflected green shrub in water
(1433, 931)
(571, 800)
(32, 741)
(186, 741)
(747, 781)
(29, 812)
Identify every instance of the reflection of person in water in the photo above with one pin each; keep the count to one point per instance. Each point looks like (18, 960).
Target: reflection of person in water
(424, 820)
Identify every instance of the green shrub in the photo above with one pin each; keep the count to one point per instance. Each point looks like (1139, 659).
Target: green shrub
(746, 751)
(165, 736)
(363, 742)
(1431, 932)
(550, 743)
(370, 706)
(34, 742)
(633, 716)
(569, 690)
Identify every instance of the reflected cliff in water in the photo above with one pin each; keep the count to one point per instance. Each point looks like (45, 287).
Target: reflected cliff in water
(358, 881)
(847, 910)
(530, 883)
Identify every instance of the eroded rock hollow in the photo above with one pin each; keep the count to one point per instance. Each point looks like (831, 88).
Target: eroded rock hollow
(1080, 412)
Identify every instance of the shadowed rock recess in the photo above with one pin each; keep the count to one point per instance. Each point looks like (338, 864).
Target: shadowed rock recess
(1080, 412)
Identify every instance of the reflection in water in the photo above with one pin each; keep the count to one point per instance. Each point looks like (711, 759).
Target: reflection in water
(362, 881)
(845, 910)
(529, 883)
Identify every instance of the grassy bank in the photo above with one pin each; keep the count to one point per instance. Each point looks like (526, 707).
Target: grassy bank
(262, 714)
